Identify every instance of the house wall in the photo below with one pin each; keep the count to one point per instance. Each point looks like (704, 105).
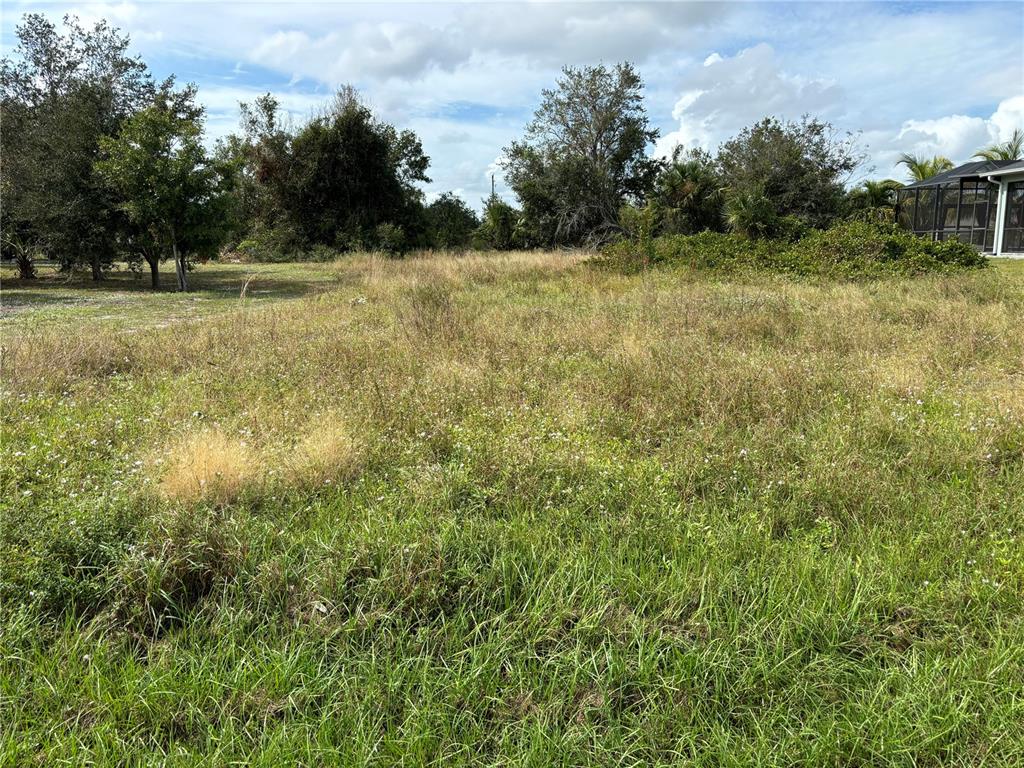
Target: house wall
(1001, 247)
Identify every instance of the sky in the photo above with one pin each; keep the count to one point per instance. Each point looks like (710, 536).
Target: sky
(927, 78)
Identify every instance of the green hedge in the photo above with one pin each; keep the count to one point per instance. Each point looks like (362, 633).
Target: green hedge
(849, 250)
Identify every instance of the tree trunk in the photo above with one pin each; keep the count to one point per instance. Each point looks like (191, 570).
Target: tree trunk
(97, 273)
(154, 271)
(179, 264)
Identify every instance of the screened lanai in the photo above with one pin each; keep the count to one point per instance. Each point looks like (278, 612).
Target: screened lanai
(974, 203)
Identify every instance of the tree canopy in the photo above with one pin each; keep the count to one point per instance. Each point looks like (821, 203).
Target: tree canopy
(689, 193)
(335, 180)
(1011, 149)
(584, 154)
(102, 163)
(921, 168)
(799, 168)
(450, 222)
(60, 92)
(164, 182)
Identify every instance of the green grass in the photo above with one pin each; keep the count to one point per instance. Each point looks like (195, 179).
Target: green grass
(559, 517)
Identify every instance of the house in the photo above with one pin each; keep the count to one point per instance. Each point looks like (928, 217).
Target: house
(981, 203)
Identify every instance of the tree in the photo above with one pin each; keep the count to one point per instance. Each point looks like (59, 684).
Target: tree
(800, 168)
(584, 155)
(688, 195)
(752, 214)
(1011, 149)
(501, 227)
(262, 155)
(21, 253)
(166, 185)
(59, 94)
(874, 194)
(921, 168)
(333, 181)
(450, 222)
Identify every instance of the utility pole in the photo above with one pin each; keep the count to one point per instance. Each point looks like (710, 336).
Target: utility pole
(492, 185)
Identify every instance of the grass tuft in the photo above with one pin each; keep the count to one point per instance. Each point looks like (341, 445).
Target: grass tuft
(207, 466)
(328, 455)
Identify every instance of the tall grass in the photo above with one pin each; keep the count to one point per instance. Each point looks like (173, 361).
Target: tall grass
(514, 510)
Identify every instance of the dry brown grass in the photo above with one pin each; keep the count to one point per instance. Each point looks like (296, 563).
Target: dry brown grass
(207, 466)
(406, 340)
(329, 454)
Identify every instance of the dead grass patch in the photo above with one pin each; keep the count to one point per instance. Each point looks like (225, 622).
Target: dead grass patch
(207, 466)
(329, 454)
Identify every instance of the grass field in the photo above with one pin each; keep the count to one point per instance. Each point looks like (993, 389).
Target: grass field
(512, 510)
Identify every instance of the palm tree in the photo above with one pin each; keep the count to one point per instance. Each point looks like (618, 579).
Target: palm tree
(751, 214)
(877, 194)
(689, 194)
(1011, 149)
(922, 168)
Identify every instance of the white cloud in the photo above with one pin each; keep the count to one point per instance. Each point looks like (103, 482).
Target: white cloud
(955, 136)
(940, 77)
(728, 93)
(1008, 117)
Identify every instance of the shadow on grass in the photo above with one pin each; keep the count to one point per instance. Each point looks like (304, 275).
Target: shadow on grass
(269, 281)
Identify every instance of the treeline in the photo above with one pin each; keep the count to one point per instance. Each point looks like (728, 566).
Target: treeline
(102, 163)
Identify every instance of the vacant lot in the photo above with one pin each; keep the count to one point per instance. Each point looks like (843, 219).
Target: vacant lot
(512, 510)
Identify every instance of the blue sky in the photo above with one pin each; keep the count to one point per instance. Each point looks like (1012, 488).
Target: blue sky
(928, 78)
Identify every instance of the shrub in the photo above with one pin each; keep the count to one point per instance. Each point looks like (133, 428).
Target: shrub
(865, 249)
(280, 244)
(271, 244)
(390, 239)
(688, 193)
(849, 250)
(751, 214)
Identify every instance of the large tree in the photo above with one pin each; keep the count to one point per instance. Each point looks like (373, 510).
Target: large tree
(789, 168)
(334, 180)
(584, 155)
(60, 92)
(450, 222)
(262, 155)
(167, 186)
